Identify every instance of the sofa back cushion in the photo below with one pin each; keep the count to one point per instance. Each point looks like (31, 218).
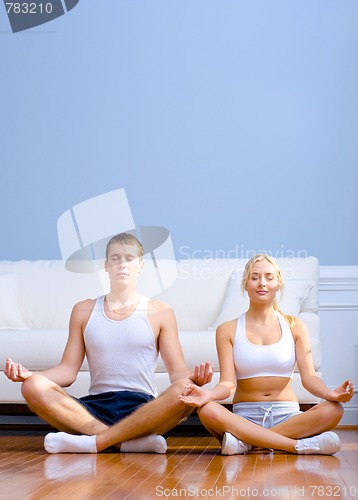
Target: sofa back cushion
(46, 292)
(202, 289)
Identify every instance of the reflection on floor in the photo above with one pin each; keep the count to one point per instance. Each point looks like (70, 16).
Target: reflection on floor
(193, 467)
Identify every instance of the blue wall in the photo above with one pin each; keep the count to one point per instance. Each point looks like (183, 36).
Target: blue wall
(232, 123)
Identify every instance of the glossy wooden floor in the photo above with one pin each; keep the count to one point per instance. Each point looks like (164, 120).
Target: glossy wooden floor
(192, 468)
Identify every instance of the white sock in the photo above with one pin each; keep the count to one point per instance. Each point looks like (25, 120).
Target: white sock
(147, 444)
(61, 442)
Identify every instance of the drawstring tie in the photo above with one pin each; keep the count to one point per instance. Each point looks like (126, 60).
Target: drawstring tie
(267, 414)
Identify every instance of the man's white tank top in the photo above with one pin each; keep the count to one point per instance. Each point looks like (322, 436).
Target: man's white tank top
(122, 355)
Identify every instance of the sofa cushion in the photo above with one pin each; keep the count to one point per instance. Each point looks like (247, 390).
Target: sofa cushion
(10, 315)
(47, 292)
(293, 295)
(37, 349)
(198, 347)
(197, 293)
(235, 303)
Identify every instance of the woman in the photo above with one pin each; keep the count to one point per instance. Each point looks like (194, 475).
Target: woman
(257, 354)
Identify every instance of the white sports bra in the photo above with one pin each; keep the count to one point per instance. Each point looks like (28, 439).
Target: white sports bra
(271, 360)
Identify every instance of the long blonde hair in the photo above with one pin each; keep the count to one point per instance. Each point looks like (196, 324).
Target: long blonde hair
(291, 320)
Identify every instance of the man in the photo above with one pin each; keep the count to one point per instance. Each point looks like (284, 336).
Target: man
(121, 334)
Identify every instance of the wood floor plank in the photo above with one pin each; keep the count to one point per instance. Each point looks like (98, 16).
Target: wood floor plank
(193, 467)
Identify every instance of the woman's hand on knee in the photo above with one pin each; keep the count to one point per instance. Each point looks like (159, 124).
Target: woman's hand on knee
(342, 393)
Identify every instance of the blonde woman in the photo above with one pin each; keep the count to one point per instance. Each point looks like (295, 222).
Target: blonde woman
(257, 354)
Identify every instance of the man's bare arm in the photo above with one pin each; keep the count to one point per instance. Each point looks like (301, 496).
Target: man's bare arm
(66, 372)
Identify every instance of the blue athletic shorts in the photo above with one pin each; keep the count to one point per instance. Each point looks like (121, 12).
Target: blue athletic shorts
(267, 414)
(111, 407)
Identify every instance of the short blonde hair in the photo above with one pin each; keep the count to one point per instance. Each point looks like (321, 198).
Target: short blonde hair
(126, 239)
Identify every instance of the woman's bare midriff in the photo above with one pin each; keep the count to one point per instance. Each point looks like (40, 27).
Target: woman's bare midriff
(264, 389)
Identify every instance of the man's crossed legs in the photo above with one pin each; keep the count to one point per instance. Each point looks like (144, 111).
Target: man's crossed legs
(141, 431)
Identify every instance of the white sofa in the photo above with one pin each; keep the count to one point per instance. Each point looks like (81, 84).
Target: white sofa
(36, 298)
